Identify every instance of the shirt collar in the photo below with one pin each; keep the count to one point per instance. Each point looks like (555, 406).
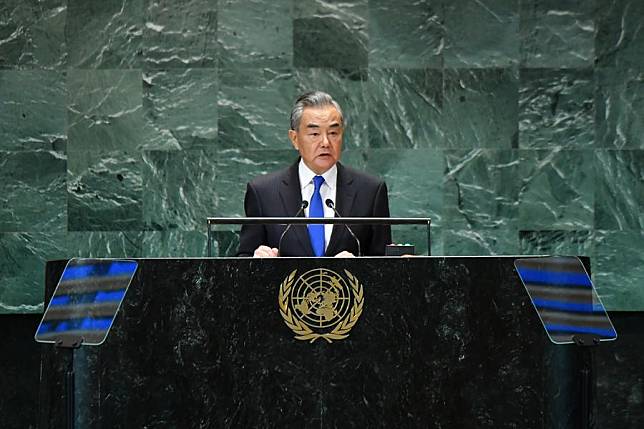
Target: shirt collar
(306, 175)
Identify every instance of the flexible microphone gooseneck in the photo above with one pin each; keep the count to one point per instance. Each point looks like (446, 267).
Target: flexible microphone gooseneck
(329, 204)
(303, 206)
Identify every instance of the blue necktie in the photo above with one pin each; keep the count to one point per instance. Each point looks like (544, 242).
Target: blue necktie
(316, 232)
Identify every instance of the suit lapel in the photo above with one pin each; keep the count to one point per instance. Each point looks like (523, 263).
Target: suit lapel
(291, 195)
(345, 196)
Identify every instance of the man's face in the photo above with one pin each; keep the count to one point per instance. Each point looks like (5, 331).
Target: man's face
(319, 137)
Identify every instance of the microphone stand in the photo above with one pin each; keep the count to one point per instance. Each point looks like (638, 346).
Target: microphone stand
(329, 204)
(304, 205)
(269, 220)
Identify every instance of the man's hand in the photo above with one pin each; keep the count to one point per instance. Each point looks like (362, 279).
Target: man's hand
(345, 254)
(265, 252)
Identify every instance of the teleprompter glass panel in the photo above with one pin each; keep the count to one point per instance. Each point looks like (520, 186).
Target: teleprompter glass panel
(563, 295)
(86, 301)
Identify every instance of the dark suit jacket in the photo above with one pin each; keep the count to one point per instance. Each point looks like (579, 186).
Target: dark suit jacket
(279, 195)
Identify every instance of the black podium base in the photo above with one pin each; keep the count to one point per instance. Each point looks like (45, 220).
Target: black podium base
(441, 342)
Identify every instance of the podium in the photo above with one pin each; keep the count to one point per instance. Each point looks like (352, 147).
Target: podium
(439, 342)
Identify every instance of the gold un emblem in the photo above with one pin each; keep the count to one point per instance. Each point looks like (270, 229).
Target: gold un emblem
(321, 304)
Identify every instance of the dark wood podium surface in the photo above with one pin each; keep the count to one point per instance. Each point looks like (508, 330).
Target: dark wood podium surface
(444, 342)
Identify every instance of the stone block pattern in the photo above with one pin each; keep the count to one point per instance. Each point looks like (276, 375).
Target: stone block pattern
(516, 125)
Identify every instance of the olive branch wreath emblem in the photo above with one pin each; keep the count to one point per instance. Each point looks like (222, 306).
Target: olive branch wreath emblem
(304, 332)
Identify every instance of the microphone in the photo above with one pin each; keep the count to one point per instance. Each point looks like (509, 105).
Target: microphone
(304, 205)
(329, 204)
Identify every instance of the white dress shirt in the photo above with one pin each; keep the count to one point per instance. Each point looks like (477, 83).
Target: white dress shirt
(327, 191)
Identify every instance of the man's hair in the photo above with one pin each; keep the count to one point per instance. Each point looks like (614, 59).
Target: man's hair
(312, 99)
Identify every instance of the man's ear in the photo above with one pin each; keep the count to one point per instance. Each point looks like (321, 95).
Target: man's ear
(292, 135)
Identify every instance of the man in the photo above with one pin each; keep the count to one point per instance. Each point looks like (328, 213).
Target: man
(317, 127)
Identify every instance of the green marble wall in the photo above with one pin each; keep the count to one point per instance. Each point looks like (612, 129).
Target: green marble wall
(515, 124)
